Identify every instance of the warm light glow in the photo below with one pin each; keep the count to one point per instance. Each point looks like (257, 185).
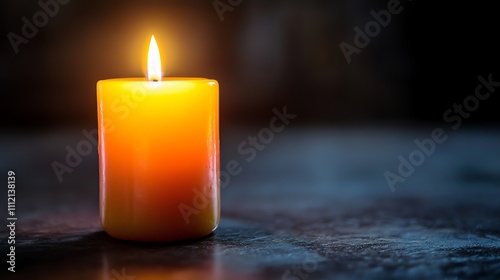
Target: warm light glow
(154, 61)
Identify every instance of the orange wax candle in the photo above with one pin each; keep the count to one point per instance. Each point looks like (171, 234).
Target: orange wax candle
(158, 156)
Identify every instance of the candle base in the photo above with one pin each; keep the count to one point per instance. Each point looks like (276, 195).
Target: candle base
(159, 239)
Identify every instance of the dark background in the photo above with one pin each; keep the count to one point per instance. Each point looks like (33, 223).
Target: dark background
(264, 54)
(318, 190)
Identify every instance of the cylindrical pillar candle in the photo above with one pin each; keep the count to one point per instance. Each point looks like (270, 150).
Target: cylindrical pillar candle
(159, 158)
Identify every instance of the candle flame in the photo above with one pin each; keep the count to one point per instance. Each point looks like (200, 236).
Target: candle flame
(154, 61)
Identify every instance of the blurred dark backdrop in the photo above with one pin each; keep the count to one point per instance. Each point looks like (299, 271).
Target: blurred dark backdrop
(264, 54)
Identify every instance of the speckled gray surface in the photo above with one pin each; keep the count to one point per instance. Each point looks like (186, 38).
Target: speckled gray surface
(313, 205)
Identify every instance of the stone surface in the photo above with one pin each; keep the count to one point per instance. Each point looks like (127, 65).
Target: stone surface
(314, 204)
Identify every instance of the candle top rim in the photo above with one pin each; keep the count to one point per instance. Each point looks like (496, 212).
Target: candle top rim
(164, 79)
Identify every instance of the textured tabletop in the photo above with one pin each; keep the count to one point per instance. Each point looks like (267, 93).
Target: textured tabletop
(314, 204)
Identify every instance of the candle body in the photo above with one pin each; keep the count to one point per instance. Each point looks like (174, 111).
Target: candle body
(159, 158)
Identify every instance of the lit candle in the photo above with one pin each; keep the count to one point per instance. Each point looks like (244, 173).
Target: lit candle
(158, 155)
